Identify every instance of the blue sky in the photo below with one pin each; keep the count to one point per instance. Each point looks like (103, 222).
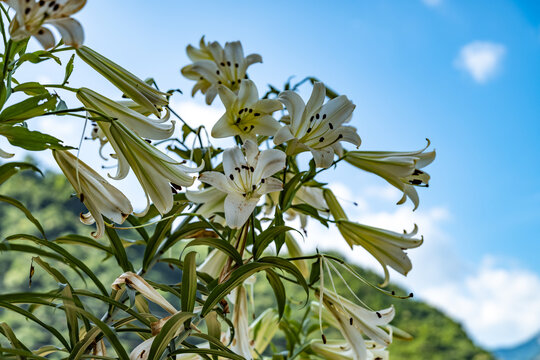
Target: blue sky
(463, 73)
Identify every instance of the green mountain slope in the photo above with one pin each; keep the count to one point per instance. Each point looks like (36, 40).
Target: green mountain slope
(436, 336)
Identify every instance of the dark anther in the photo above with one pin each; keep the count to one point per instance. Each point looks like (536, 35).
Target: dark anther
(238, 120)
(27, 11)
(323, 339)
(378, 314)
(81, 197)
(324, 116)
(252, 127)
(239, 81)
(393, 292)
(415, 181)
(330, 126)
(217, 72)
(309, 130)
(245, 167)
(40, 32)
(241, 111)
(317, 116)
(251, 169)
(311, 119)
(262, 181)
(237, 169)
(219, 82)
(174, 191)
(321, 139)
(228, 63)
(176, 186)
(340, 136)
(417, 172)
(232, 82)
(236, 65)
(148, 141)
(202, 78)
(411, 295)
(245, 128)
(231, 177)
(250, 111)
(244, 195)
(350, 321)
(42, 2)
(256, 114)
(246, 77)
(56, 7)
(254, 187)
(222, 64)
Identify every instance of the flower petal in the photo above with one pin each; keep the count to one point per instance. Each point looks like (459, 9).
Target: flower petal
(216, 179)
(316, 99)
(295, 106)
(45, 38)
(270, 162)
(248, 93)
(283, 135)
(227, 97)
(232, 160)
(323, 157)
(238, 209)
(70, 29)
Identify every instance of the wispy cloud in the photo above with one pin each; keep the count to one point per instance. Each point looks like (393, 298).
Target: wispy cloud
(481, 60)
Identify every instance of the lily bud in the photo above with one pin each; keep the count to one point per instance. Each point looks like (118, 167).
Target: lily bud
(150, 98)
(333, 205)
(263, 329)
(5, 155)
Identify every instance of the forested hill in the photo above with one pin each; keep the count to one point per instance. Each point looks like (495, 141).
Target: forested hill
(436, 336)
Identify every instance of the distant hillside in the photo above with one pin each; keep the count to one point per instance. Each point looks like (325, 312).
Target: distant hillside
(529, 350)
(436, 336)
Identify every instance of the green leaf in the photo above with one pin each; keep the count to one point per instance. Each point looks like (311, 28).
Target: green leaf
(28, 108)
(290, 268)
(31, 88)
(9, 169)
(31, 140)
(26, 212)
(74, 239)
(118, 250)
(168, 332)
(225, 354)
(107, 331)
(219, 244)
(13, 340)
(81, 346)
(267, 236)
(21, 354)
(279, 290)
(69, 69)
(310, 211)
(189, 282)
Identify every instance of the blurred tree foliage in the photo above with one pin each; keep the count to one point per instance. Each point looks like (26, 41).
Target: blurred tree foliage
(436, 336)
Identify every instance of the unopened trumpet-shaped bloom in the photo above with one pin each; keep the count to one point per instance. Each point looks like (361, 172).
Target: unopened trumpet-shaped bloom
(247, 177)
(151, 99)
(241, 344)
(99, 197)
(214, 65)
(31, 15)
(154, 170)
(354, 321)
(263, 329)
(142, 125)
(245, 114)
(400, 169)
(316, 127)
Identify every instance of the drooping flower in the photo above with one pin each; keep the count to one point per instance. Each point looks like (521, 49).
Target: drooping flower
(387, 247)
(400, 169)
(154, 170)
(316, 127)
(263, 329)
(32, 15)
(245, 114)
(214, 65)
(99, 197)
(241, 343)
(148, 97)
(247, 177)
(355, 321)
(142, 125)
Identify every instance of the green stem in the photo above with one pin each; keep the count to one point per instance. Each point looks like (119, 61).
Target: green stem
(6, 58)
(61, 87)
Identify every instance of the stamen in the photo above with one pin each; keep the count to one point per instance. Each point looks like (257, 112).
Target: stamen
(351, 320)
(378, 314)
(256, 114)
(324, 116)
(228, 63)
(317, 116)
(323, 339)
(231, 177)
(331, 126)
(251, 169)
(321, 139)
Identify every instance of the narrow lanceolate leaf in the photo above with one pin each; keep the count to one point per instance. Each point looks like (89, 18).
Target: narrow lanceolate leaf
(279, 290)
(28, 108)
(189, 282)
(9, 169)
(28, 315)
(26, 212)
(81, 347)
(289, 267)
(21, 137)
(69, 69)
(21, 354)
(267, 237)
(31, 88)
(13, 340)
(118, 249)
(107, 331)
(238, 276)
(67, 257)
(219, 244)
(168, 332)
(74, 239)
(220, 353)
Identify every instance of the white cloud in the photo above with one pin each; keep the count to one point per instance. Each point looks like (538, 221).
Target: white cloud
(497, 304)
(432, 2)
(481, 60)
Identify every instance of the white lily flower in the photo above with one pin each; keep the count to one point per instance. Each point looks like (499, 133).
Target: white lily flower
(214, 65)
(354, 321)
(99, 197)
(247, 177)
(5, 155)
(154, 170)
(245, 114)
(211, 199)
(316, 127)
(136, 282)
(333, 349)
(263, 329)
(386, 246)
(31, 15)
(400, 169)
(241, 343)
(140, 124)
(148, 97)
(214, 263)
